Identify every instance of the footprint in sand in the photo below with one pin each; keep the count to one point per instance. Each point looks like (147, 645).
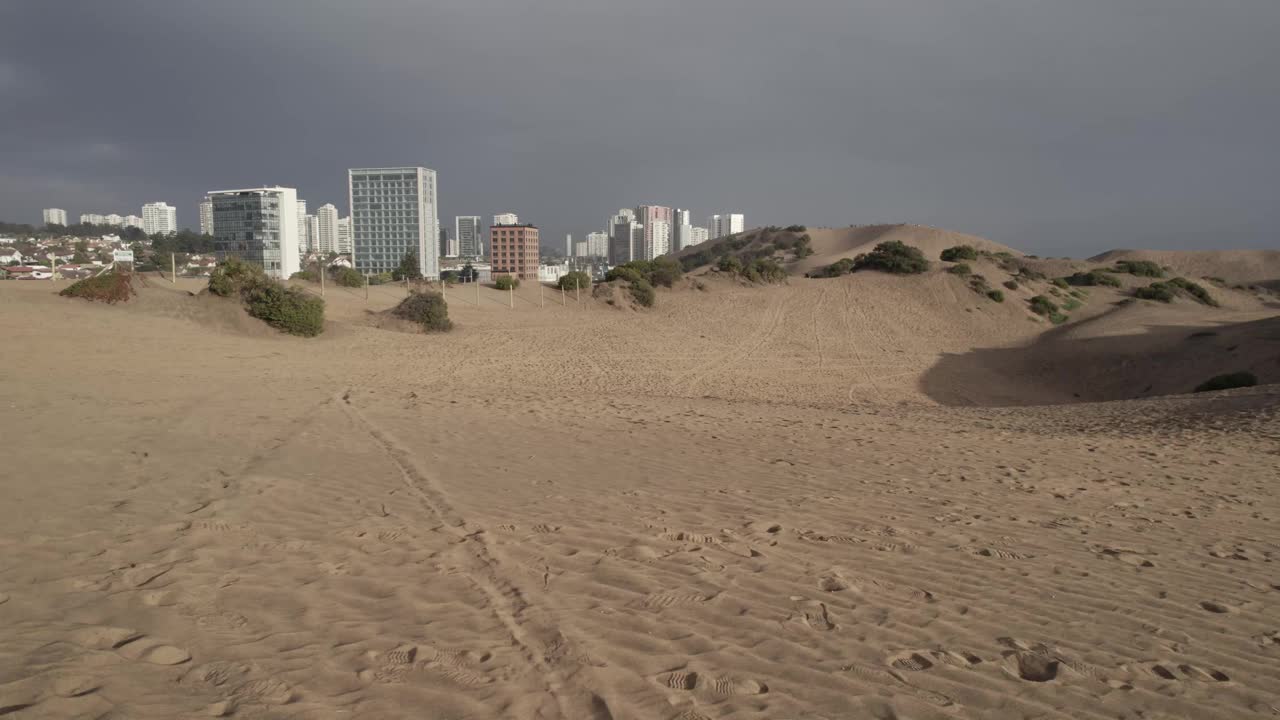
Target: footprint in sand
(1216, 607)
(663, 600)
(542, 529)
(1171, 672)
(690, 681)
(129, 644)
(265, 691)
(69, 686)
(813, 613)
(1268, 639)
(1001, 554)
(832, 583)
(688, 537)
(1030, 666)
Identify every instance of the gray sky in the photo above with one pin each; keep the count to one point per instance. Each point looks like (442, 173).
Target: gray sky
(1055, 126)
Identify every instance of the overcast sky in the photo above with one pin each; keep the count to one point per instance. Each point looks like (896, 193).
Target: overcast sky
(1055, 126)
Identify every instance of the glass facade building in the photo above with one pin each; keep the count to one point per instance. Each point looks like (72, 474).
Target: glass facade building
(393, 212)
(259, 225)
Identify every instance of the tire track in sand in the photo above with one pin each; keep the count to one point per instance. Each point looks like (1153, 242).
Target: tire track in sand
(482, 568)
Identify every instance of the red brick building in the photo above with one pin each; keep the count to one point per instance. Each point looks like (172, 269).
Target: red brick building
(514, 250)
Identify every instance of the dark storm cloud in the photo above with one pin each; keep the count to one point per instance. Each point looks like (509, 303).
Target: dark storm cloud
(1064, 127)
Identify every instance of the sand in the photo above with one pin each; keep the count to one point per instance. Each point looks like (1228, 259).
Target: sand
(860, 497)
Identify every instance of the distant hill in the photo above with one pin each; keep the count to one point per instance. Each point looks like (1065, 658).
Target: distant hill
(1260, 267)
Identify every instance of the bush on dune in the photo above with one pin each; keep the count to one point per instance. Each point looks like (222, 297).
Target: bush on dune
(958, 253)
(1195, 290)
(290, 310)
(765, 270)
(110, 288)
(1092, 278)
(642, 292)
(576, 280)
(893, 257)
(962, 269)
(1141, 268)
(348, 277)
(506, 282)
(1159, 292)
(428, 309)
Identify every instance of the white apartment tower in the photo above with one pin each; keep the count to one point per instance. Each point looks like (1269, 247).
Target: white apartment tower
(597, 244)
(394, 212)
(259, 225)
(55, 216)
(658, 239)
(327, 229)
(467, 230)
(698, 235)
(206, 216)
(728, 224)
(312, 233)
(344, 235)
(305, 242)
(621, 231)
(158, 219)
(506, 219)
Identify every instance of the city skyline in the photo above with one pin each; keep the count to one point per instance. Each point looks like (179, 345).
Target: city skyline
(995, 121)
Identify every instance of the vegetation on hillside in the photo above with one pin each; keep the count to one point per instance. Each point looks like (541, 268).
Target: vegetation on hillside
(1141, 268)
(506, 282)
(747, 247)
(287, 309)
(576, 280)
(1092, 278)
(893, 257)
(347, 277)
(408, 268)
(109, 287)
(961, 269)
(1166, 291)
(427, 309)
(1043, 306)
(958, 253)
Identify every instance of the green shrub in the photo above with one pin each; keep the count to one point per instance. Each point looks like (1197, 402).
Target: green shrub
(233, 277)
(840, 267)
(959, 252)
(1071, 304)
(506, 282)
(796, 228)
(381, 279)
(962, 269)
(308, 275)
(996, 295)
(1160, 292)
(1141, 268)
(1011, 284)
(1195, 290)
(664, 271)
(1060, 283)
(408, 268)
(109, 287)
(1042, 305)
(730, 263)
(642, 292)
(765, 270)
(428, 309)
(892, 257)
(290, 310)
(1028, 274)
(1228, 381)
(1057, 318)
(623, 272)
(348, 277)
(576, 280)
(1093, 277)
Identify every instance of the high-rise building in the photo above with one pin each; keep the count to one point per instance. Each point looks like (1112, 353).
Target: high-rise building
(393, 213)
(454, 248)
(306, 242)
(621, 236)
(654, 218)
(308, 234)
(597, 244)
(514, 250)
(326, 229)
(681, 217)
(206, 216)
(92, 219)
(444, 242)
(506, 219)
(580, 249)
(259, 225)
(158, 218)
(657, 239)
(117, 220)
(681, 237)
(467, 231)
(132, 221)
(568, 245)
(698, 235)
(55, 216)
(344, 235)
(728, 224)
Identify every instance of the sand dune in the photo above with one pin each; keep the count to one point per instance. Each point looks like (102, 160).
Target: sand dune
(747, 502)
(1236, 266)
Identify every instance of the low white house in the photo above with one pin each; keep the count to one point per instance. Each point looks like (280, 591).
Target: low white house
(552, 273)
(10, 256)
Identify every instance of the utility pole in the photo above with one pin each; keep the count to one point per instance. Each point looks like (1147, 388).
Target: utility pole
(320, 267)
(366, 287)
(173, 268)
(577, 291)
(542, 295)
(511, 295)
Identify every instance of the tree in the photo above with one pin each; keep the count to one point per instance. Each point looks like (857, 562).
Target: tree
(468, 273)
(408, 268)
(507, 282)
(576, 280)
